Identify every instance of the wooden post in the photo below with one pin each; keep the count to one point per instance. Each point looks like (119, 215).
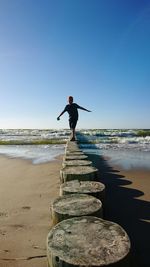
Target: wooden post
(73, 153)
(74, 205)
(72, 145)
(74, 157)
(88, 241)
(95, 189)
(81, 173)
(76, 163)
(72, 149)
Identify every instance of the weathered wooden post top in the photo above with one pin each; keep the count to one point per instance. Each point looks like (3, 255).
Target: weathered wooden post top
(76, 162)
(67, 153)
(88, 241)
(75, 157)
(93, 188)
(72, 150)
(72, 146)
(82, 173)
(73, 205)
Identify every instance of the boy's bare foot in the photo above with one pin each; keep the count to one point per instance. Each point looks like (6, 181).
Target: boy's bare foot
(72, 139)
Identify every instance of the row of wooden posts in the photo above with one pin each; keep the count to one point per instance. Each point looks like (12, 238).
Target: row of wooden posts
(80, 236)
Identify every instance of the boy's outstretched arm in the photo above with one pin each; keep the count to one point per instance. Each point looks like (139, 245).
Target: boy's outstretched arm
(84, 109)
(58, 118)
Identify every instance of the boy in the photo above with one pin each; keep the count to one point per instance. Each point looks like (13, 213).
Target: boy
(72, 109)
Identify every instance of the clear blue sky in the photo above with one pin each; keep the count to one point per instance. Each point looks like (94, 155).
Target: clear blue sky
(96, 50)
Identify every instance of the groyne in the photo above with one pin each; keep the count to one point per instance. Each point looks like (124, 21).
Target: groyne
(80, 235)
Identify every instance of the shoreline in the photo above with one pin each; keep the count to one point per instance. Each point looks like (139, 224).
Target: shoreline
(26, 192)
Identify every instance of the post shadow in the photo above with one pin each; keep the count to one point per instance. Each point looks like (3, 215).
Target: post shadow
(123, 207)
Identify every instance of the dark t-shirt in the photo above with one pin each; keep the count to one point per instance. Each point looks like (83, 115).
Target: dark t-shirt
(72, 110)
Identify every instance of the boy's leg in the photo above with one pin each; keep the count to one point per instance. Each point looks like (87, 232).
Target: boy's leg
(72, 127)
(73, 133)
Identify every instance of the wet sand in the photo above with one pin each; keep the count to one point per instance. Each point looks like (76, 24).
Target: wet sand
(26, 191)
(128, 204)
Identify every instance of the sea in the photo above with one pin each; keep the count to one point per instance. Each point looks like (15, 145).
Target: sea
(128, 148)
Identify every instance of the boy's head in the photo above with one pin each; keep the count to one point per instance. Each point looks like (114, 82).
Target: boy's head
(70, 99)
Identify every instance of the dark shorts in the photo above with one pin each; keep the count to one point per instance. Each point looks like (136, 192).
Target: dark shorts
(72, 124)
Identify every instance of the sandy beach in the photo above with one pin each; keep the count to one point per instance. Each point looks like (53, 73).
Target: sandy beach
(26, 191)
(128, 204)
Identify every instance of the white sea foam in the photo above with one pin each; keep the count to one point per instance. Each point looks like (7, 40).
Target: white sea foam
(123, 143)
(37, 154)
(30, 135)
(125, 158)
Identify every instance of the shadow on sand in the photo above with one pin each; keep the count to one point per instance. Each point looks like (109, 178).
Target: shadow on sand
(123, 207)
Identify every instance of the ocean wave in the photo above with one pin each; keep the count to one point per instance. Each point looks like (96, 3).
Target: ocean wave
(44, 145)
(102, 137)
